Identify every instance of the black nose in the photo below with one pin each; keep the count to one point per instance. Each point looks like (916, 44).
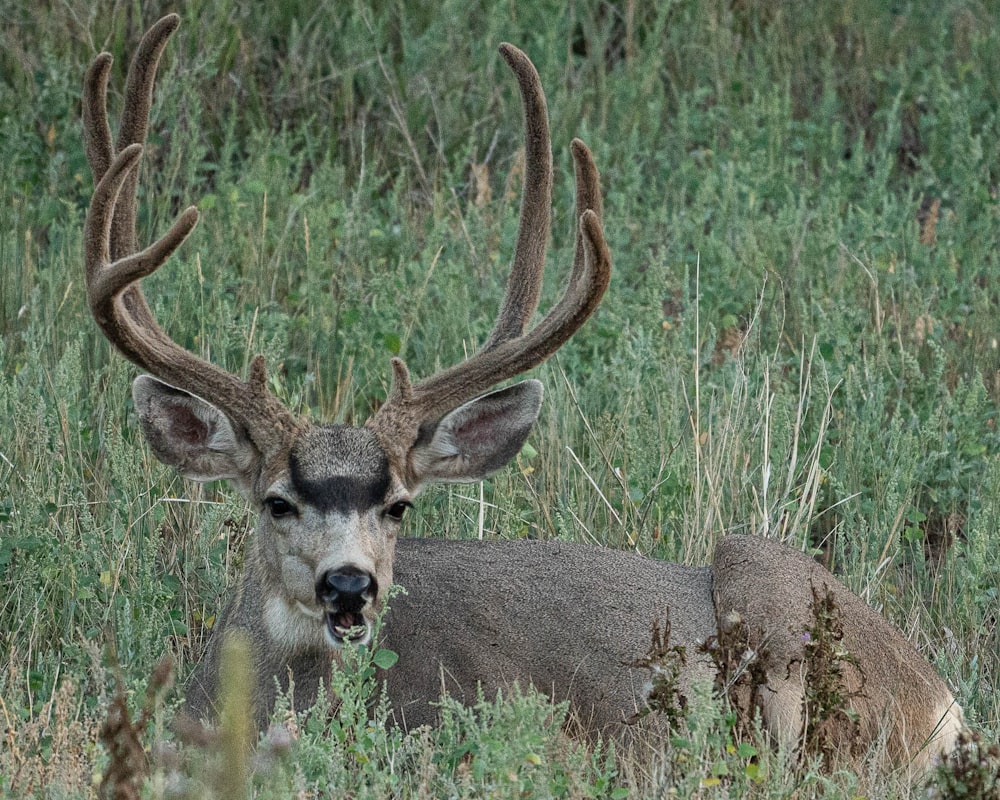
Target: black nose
(346, 589)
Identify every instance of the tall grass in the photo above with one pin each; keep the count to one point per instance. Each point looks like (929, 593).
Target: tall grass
(800, 338)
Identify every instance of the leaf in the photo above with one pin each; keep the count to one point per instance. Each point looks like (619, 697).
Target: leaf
(745, 750)
(392, 343)
(383, 658)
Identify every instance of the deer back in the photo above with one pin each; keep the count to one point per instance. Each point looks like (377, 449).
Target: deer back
(575, 622)
(569, 619)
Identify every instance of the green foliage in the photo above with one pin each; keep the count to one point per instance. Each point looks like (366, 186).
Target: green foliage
(514, 747)
(713, 757)
(799, 340)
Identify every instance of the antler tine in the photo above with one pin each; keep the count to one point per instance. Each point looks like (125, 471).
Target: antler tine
(524, 285)
(104, 279)
(134, 123)
(114, 268)
(96, 130)
(588, 197)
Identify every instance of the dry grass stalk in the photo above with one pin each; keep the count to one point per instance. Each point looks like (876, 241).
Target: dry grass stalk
(129, 766)
(49, 750)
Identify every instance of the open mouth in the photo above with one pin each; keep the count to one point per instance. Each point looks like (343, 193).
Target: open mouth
(346, 626)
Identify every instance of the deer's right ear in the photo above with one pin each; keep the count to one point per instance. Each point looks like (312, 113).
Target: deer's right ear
(190, 434)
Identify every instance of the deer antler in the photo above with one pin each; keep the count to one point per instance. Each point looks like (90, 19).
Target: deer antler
(114, 267)
(525, 282)
(510, 351)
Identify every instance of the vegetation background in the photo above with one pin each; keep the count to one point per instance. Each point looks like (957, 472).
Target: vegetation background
(800, 340)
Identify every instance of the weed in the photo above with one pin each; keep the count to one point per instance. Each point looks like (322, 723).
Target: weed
(740, 671)
(124, 739)
(831, 727)
(970, 772)
(50, 751)
(224, 762)
(665, 663)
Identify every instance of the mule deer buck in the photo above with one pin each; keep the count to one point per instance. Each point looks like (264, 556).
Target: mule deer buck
(570, 619)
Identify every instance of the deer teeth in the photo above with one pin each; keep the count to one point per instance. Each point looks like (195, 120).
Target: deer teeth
(337, 634)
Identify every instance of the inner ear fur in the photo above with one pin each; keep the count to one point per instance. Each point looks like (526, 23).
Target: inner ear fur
(478, 437)
(190, 434)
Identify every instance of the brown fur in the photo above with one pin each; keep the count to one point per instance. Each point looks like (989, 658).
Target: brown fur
(571, 620)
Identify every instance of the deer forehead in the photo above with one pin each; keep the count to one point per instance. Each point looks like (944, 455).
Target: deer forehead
(338, 468)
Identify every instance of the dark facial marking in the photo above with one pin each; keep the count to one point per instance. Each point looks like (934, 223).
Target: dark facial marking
(339, 468)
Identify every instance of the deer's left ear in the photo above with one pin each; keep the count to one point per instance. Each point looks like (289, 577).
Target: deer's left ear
(477, 438)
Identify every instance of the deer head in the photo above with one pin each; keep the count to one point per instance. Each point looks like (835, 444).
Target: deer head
(330, 498)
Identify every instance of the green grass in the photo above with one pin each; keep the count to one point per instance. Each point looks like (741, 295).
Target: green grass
(784, 347)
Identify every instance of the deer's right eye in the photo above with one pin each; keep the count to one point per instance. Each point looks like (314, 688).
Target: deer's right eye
(396, 510)
(279, 507)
